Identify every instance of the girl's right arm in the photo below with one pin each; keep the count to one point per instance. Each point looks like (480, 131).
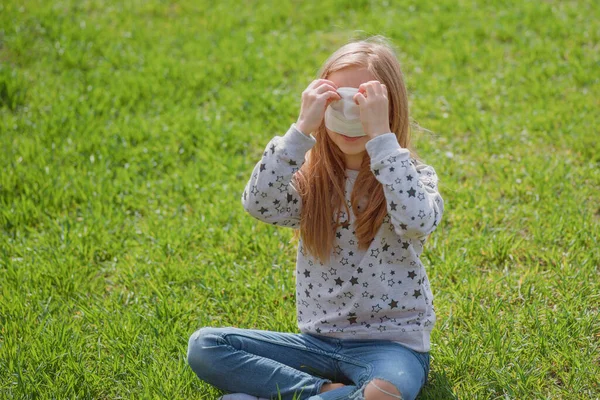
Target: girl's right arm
(270, 195)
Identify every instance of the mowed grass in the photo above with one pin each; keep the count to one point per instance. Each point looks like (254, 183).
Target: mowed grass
(129, 129)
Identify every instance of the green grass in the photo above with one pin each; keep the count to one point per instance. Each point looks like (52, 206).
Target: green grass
(129, 129)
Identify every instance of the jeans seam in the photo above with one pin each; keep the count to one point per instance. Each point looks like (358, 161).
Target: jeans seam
(320, 382)
(366, 376)
(312, 350)
(425, 365)
(352, 360)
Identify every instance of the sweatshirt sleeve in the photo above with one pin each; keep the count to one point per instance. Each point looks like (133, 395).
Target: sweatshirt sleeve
(410, 187)
(269, 195)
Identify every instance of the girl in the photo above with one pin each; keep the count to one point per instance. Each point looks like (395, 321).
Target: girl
(345, 177)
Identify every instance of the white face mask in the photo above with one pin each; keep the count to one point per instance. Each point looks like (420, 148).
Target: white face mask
(343, 116)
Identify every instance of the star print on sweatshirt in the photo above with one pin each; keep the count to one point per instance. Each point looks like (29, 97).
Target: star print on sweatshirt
(379, 293)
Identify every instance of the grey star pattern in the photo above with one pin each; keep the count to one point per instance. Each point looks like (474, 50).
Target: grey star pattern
(355, 282)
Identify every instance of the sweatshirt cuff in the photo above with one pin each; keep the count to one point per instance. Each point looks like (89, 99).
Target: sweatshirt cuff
(298, 140)
(384, 145)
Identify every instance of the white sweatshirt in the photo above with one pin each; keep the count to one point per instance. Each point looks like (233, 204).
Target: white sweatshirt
(382, 293)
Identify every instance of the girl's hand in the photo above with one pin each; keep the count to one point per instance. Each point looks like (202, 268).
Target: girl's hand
(315, 99)
(374, 108)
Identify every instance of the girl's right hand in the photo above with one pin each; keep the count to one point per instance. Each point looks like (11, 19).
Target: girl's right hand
(315, 99)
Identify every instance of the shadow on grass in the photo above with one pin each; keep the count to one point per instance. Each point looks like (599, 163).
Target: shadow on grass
(437, 387)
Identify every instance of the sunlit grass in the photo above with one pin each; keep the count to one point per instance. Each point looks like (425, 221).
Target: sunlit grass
(128, 131)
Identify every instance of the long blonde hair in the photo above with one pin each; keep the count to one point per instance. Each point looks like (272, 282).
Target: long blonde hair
(321, 179)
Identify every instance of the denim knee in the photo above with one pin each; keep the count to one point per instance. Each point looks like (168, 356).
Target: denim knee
(198, 355)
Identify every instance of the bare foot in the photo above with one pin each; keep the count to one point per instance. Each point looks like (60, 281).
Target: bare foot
(330, 386)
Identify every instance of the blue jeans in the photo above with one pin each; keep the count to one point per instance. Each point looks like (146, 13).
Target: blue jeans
(266, 363)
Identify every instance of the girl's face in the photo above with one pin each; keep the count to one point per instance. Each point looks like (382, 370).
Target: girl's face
(353, 148)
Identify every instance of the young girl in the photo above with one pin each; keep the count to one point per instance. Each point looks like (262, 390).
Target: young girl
(345, 177)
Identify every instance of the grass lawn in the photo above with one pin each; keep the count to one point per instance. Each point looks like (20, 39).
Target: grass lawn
(128, 130)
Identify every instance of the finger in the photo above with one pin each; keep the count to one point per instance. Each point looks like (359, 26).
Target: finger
(333, 98)
(379, 87)
(372, 88)
(362, 88)
(330, 96)
(324, 88)
(332, 83)
(385, 91)
(314, 84)
(367, 88)
(318, 82)
(359, 99)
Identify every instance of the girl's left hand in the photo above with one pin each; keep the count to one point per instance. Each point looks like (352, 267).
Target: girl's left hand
(374, 108)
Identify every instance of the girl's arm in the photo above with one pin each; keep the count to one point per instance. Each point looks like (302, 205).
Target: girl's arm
(269, 195)
(413, 201)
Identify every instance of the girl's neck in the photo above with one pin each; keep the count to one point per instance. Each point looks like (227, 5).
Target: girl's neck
(353, 161)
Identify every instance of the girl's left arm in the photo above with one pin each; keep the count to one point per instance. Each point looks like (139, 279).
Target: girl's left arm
(410, 187)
